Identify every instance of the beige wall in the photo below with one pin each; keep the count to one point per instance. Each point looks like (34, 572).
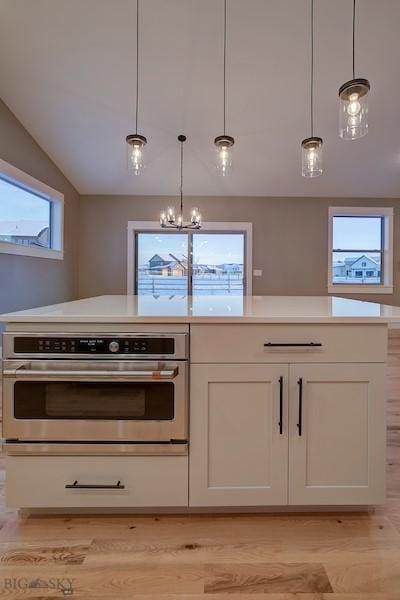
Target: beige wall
(25, 281)
(289, 239)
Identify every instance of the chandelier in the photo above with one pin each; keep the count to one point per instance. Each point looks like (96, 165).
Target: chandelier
(169, 219)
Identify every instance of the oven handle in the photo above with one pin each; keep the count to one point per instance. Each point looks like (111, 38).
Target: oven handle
(40, 375)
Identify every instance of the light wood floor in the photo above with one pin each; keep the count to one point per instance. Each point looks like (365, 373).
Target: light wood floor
(335, 556)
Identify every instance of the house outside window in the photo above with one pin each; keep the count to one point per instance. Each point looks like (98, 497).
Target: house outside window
(31, 215)
(215, 260)
(360, 250)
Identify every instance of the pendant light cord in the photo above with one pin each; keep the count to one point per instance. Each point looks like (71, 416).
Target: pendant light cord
(137, 63)
(354, 36)
(181, 181)
(224, 67)
(312, 71)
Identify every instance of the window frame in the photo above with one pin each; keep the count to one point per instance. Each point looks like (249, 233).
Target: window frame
(135, 227)
(15, 176)
(386, 285)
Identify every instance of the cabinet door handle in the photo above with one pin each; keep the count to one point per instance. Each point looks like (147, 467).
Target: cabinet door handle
(292, 344)
(280, 405)
(300, 421)
(94, 486)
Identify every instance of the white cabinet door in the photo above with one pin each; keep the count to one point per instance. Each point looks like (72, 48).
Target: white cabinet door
(238, 451)
(338, 455)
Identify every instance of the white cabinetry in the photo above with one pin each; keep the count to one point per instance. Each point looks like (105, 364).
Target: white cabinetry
(339, 458)
(330, 449)
(238, 449)
(102, 481)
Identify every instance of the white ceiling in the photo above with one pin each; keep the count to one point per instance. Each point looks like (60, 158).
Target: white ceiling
(67, 70)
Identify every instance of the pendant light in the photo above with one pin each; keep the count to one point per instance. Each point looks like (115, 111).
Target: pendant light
(224, 143)
(169, 220)
(311, 147)
(353, 102)
(135, 142)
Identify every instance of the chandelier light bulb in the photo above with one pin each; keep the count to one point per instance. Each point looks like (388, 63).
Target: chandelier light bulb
(195, 217)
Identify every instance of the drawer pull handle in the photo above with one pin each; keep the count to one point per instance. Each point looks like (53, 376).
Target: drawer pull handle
(300, 422)
(293, 345)
(280, 405)
(94, 486)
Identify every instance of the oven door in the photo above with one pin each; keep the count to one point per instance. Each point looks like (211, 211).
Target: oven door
(95, 401)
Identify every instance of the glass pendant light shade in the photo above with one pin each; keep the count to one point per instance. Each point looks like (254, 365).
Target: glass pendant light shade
(135, 155)
(311, 157)
(223, 146)
(353, 109)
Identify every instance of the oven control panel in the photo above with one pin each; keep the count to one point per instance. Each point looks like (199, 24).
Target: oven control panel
(94, 345)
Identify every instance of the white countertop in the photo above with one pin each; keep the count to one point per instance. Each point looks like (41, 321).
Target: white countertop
(209, 309)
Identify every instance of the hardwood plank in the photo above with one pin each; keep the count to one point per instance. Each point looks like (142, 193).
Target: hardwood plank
(296, 578)
(119, 553)
(114, 583)
(30, 554)
(377, 576)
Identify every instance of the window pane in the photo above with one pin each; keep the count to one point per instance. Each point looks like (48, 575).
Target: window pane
(358, 233)
(24, 216)
(356, 267)
(162, 263)
(218, 261)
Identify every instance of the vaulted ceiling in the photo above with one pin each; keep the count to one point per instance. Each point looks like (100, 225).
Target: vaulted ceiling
(67, 71)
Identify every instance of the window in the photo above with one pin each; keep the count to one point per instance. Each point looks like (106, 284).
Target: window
(31, 215)
(210, 261)
(360, 250)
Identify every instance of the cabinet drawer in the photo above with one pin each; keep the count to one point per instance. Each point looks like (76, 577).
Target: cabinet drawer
(40, 481)
(246, 343)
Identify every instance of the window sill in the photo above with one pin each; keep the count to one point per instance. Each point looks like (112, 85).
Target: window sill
(360, 288)
(20, 250)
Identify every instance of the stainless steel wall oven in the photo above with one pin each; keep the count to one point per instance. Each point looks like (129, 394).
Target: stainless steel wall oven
(91, 393)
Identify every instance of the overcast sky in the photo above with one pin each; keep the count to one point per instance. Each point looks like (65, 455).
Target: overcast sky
(207, 248)
(17, 204)
(360, 233)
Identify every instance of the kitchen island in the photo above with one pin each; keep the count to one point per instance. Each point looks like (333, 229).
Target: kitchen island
(286, 405)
